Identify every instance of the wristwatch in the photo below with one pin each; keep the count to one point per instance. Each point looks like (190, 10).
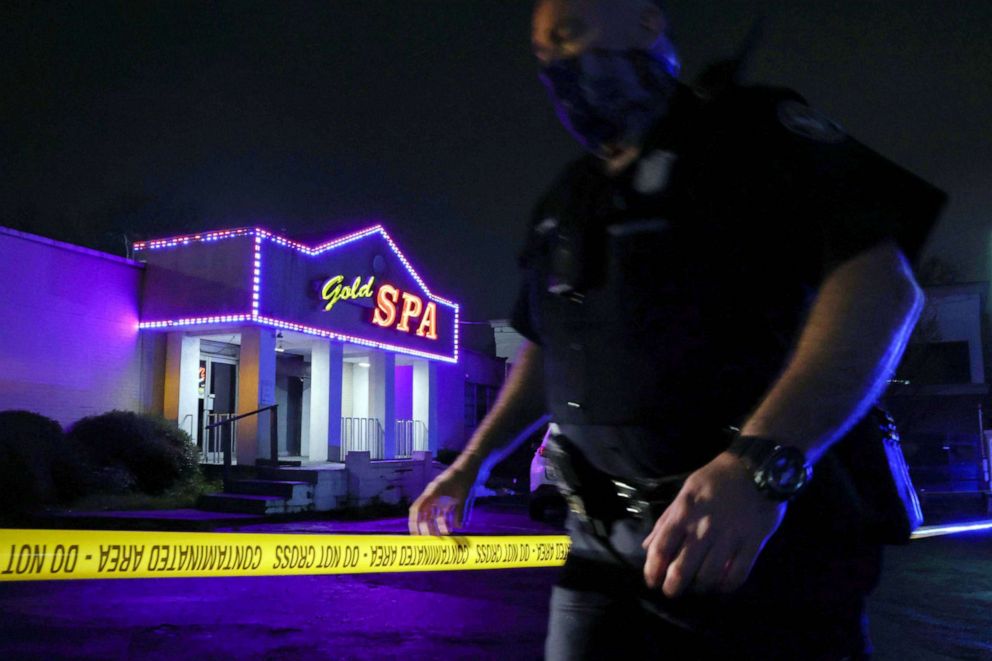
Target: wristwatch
(779, 471)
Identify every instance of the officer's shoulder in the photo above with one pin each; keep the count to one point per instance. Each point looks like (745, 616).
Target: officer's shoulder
(774, 110)
(756, 96)
(747, 104)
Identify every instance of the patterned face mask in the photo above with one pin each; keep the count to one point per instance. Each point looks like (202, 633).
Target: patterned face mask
(608, 97)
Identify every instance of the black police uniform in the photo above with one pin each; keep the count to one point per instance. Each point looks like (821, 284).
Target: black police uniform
(666, 300)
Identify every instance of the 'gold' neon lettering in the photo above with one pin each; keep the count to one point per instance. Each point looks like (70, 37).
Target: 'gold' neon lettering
(385, 306)
(335, 291)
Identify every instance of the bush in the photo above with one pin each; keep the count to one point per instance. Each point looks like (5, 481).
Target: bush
(122, 444)
(33, 457)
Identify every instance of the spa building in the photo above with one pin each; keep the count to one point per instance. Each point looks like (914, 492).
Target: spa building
(325, 349)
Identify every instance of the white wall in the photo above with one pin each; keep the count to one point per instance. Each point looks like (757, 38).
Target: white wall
(382, 397)
(360, 391)
(958, 317)
(315, 401)
(182, 367)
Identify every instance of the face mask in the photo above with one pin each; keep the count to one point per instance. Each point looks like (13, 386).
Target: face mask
(610, 97)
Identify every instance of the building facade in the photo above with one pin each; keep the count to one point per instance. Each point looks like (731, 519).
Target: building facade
(940, 396)
(341, 346)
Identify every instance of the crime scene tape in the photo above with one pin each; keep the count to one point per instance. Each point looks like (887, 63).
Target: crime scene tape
(39, 555)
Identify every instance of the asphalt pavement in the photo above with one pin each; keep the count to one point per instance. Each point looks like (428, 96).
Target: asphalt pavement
(935, 602)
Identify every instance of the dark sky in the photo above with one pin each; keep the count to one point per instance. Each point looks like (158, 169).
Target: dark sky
(316, 117)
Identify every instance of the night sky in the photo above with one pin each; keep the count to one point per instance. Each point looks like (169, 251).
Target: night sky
(313, 118)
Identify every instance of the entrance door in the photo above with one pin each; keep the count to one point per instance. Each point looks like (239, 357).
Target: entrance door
(291, 371)
(294, 416)
(218, 403)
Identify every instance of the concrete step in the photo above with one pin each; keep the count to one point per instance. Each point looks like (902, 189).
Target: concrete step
(279, 462)
(249, 504)
(289, 489)
(290, 474)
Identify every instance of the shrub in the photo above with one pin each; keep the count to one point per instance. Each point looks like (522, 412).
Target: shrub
(32, 457)
(151, 449)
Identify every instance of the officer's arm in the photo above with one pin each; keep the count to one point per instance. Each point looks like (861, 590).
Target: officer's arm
(442, 506)
(850, 345)
(710, 536)
(520, 401)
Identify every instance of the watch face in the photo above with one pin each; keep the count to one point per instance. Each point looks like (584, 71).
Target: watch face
(785, 472)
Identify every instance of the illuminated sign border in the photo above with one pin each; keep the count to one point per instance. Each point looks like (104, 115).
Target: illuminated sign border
(256, 285)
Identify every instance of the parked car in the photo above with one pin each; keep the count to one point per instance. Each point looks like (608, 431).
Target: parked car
(546, 502)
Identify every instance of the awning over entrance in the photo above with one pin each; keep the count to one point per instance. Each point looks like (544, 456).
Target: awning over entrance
(358, 288)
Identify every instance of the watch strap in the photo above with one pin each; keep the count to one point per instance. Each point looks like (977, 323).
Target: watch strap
(753, 451)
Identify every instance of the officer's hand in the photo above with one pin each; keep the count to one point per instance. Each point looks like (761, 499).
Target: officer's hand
(441, 507)
(711, 534)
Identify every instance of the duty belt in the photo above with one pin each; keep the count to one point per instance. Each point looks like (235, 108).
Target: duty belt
(598, 500)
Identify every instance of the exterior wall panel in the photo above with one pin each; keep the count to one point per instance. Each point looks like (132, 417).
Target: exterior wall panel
(69, 342)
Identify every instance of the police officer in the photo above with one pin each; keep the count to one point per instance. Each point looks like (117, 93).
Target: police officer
(712, 297)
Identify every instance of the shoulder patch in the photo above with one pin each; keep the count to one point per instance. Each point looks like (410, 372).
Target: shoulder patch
(808, 122)
(546, 225)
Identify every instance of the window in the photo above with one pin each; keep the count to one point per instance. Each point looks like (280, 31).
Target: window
(936, 363)
(479, 400)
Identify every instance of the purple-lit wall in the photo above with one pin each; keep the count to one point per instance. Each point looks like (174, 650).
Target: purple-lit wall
(69, 342)
(472, 367)
(404, 392)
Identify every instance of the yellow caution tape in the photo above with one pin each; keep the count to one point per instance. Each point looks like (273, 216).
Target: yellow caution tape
(39, 555)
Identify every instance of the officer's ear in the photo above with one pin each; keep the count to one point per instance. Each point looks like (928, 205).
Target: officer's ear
(652, 22)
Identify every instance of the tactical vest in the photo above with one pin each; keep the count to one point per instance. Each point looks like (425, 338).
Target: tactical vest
(662, 297)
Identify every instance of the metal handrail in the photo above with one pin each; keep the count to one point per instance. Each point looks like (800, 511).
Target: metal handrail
(273, 435)
(362, 434)
(188, 416)
(411, 436)
(212, 445)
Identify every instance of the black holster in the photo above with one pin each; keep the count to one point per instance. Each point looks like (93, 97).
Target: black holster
(597, 499)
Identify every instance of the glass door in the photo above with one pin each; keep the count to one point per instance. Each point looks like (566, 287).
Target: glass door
(218, 402)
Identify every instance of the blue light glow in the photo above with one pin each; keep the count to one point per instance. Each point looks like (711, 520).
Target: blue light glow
(951, 529)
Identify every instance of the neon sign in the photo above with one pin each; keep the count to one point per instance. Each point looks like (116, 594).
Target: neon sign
(386, 315)
(385, 312)
(422, 320)
(333, 291)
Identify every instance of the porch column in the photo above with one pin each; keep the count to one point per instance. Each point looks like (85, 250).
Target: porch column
(256, 388)
(335, 396)
(325, 400)
(319, 379)
(382, 397)
(182, 373)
